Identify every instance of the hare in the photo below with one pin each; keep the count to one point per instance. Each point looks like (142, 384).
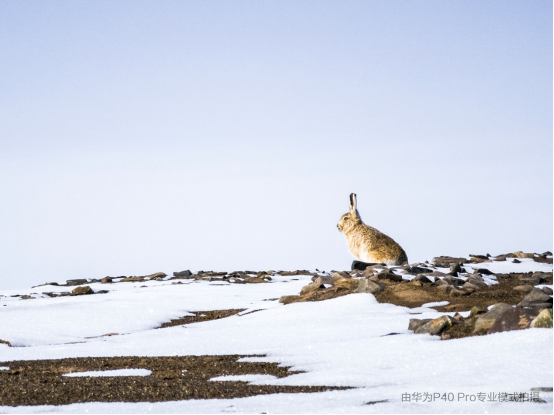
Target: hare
(366, 243)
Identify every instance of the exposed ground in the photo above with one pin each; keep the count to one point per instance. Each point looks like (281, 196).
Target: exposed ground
(41, 382)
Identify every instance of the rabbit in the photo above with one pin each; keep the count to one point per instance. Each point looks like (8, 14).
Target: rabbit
(366, 243)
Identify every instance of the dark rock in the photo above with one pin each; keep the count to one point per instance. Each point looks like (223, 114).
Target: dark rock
(106, 280)
(415, 323)
(483, 271)
(543, 320)
(479, 256)
(422, 278)
(418, 270)
(106, 291)
(547, 290)
(453, 281)
(388, 275)
(76, 282)
(82, 290)
(51, 294)
(455, 268)
(27, 297)
(533, 280)
(485, 321)
(359, 265)
(547, 253)
(446, 261)
(477, 310)
(500, 258)
(366, 285)
(516, 261)
(517, 318)
(536, 298)
(436, 326)
(185, 273)
(542, 389)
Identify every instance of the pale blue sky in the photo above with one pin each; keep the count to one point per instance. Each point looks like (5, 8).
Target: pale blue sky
(138, 137)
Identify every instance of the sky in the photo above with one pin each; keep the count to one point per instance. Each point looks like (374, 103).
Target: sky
(146, 136)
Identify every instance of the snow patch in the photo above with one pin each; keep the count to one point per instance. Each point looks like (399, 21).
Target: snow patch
(254, 379)
(110, 373)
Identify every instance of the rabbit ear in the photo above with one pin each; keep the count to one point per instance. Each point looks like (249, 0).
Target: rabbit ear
(352, 202)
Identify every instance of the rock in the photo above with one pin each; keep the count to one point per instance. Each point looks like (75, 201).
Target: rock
(470, 287)
(533, 279)
(106, 280)
(500, 258)
(27, 297)
(523, 288)
(5, 342)
(324, 279)
(287, 299)
(436, 326)
(366, 285)
(340, 275)
(483, 271)
(547, 253)
(547, 290)
(455, 268)
(133, 279)
(416, 283)
(82, 290)
(185, 273)
(363, 265)
(418, 270)
(310, 288)
(347, 284)
(520, 254)
(458, 317)
(388, 275)
(452, 291)
(542, 389)
(516, 261)
(543, 320)
(517, 318)
(476, 310)
(76, 282)
(536, 298)
(156, 275)
(453, 281)
(483, 257)
(422, 278)
(415, 323)
(446, 261)
(477, 282)
(485, 321)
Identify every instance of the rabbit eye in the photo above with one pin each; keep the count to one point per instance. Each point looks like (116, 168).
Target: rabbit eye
(345, 219)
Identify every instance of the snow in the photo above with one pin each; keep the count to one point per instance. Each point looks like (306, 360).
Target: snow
(253, 379)
(4, 368)
(436, 304)
(345, 341)
(110, 373)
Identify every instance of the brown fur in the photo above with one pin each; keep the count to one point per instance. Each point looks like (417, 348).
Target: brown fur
(366, 243)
